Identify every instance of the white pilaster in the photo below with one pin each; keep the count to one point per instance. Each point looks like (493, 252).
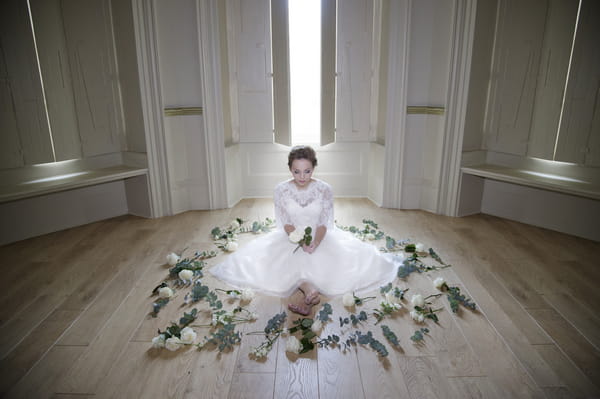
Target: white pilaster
(460, 67)
(152, 107)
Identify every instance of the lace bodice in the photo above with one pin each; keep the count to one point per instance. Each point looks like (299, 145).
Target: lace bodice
(312, 206)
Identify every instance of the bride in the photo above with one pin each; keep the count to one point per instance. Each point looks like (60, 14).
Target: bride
(334, 263)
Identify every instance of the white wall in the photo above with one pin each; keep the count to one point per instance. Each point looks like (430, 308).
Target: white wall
(343, 165)
(428, 73)
(181, 86)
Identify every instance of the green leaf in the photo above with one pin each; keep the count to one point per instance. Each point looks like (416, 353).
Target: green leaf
(325, 312)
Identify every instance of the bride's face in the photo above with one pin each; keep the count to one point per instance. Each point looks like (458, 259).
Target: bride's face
(302, 171)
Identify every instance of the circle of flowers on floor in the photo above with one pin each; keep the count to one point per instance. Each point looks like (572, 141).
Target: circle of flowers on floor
(304, 334)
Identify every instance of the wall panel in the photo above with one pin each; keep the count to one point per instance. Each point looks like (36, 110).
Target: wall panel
(88, 30)
(354, 47)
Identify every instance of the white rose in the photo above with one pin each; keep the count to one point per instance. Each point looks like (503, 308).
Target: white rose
(234, 224)
(416, 316)
(370, 236)
(172, 259)
(165, 292)
(188, 335)
(231, 246)
(293, 345)
(296, 236)
(186, 274)
(417, 300)
(391, 298)
(247, 295)
(439, 282)
(420, 247)
(158, 341)
(316, 326)
(348, 300)
(173, 344)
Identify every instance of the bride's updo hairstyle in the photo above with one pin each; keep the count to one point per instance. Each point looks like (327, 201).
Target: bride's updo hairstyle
(302, 152)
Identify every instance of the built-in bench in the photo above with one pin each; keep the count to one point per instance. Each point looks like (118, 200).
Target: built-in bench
(534, 178)
(554, 195)
(39, 199)
(76, 178)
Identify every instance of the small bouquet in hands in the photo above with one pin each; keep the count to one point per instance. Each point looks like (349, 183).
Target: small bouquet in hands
(301, 237)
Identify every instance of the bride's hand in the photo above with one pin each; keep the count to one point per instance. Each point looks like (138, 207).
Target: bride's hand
(309, 248)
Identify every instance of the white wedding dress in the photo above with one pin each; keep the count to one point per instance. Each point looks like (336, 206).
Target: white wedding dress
(340, 264)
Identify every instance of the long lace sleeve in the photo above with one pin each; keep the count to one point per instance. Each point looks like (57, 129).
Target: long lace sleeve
(326, 217)
(281, 216)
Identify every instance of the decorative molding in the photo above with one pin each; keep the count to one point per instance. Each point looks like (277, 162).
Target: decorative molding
(395, 126)
(152, 108)
(179, 111)
(463, 30)
(425, 110)
(375, 67)
(208, 33)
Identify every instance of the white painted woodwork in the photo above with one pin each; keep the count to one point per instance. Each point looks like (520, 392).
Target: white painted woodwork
(146, 36)
(531, 178)
(251, 26)
(234, 174)
(128, 76)
(355, 32)
(181, 85)
(463, 32)
(56, 74)
(11, 155)
(397, 77)
(483, 45)
(382, 75)
(226, 84)
(328, 73)
(552, 210)
(517, 50)
(207, 15)
(282, 130)
(35, 216)
(68, 181)
(24, 119)
(556, 50)
(428, 71)
(580, 126)
(90, 43)
(231, 16)
(343, 165)
(376, 173)
(186, 163)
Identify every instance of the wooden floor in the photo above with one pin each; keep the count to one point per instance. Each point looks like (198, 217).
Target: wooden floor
(74, 316)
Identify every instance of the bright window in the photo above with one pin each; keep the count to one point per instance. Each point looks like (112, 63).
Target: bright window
(305, 70)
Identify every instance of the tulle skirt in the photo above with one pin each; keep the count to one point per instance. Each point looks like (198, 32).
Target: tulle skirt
(342, 263)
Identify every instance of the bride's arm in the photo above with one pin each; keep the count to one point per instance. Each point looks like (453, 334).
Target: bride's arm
(319, 235)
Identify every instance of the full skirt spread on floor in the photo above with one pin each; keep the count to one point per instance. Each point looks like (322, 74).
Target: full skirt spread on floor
(342, 263)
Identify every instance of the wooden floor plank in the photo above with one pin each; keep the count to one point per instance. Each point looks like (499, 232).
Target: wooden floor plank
(33, 347)
(40, 381)
(295, 376)
(252, 386)
(424, 379)
(473, 387)
(577, 348)
(570, 376)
